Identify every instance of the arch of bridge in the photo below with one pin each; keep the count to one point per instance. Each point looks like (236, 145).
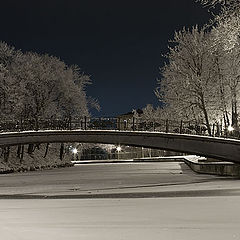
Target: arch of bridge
(219, 148)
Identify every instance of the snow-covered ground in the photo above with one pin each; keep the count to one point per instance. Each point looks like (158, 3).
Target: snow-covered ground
(137, 201)
(35, 160)
(209, 218)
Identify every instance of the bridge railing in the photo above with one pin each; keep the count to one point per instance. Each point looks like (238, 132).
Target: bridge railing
(128, 124)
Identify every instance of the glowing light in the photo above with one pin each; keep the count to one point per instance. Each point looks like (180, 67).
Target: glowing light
(119, 148)
(230, 128)
(74, 151)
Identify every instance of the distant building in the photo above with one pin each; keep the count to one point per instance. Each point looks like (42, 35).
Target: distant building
(126, 121)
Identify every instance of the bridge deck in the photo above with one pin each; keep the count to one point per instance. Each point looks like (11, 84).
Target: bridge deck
(219, 148)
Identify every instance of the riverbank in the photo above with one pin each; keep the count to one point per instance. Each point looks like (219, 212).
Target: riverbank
(198, 164)
(37, 157)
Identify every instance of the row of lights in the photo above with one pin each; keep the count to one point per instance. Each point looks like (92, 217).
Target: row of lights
(118, 148)
(75, 151)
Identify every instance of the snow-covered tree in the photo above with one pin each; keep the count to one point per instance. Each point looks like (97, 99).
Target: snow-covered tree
(72, 98)
(222, 2)
(224, 7)
(188, 85)
(200, 80)
(228, 74)
(151, 114)
(35, 86)
(8, 84)
(230, 4)
(225, 21)
(225, 30)
(51, 88)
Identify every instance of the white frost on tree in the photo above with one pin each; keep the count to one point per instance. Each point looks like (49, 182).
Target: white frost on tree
(225, 30)
(187, 86)
(200, 80)
(8, 84)
(35, 86)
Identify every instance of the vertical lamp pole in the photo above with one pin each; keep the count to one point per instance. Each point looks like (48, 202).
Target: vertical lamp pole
(118, 150)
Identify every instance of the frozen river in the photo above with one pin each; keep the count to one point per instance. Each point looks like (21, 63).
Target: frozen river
(119, 201)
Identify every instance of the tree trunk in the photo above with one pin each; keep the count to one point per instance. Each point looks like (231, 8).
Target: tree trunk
(234, 113)
(36, 124)
(70, 122)
(203, 107)
(226, 119)
(46, 151)
(19, 151)
(22, 154)
(30, 148)
(223, 101)
(207, 122)
(61, 151)
(6, 153)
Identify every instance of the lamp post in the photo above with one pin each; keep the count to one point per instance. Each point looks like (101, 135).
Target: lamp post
(74, 151)
(230, 128)
(118, 150)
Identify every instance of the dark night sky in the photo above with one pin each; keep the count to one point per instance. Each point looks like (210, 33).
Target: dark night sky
(118, 43)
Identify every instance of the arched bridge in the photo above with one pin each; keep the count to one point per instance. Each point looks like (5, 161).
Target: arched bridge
(219, 148)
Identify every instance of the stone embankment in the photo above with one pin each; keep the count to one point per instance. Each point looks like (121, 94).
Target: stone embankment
(211, 166)
(197, 164)
(202, 165)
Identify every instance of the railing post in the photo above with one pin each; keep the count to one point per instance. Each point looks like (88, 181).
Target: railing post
(213, 130)
(124, 125)
(218, 130)
(118, 123)
(133, 126)
(70, 122)
(167, 126)
(21, 125)
(85, 123)
(181, 127)
(221, 127)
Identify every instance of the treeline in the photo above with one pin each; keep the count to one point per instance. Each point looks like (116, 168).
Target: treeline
(201, 76)
(38, 86)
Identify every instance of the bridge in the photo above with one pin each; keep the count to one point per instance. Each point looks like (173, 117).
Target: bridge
(219, 148)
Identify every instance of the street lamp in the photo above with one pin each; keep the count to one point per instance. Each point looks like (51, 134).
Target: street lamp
(74, 151)
(118, 150)
(230, 128)
(142, 152)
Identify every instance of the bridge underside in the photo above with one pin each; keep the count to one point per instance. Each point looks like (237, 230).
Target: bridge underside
(219, 148)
